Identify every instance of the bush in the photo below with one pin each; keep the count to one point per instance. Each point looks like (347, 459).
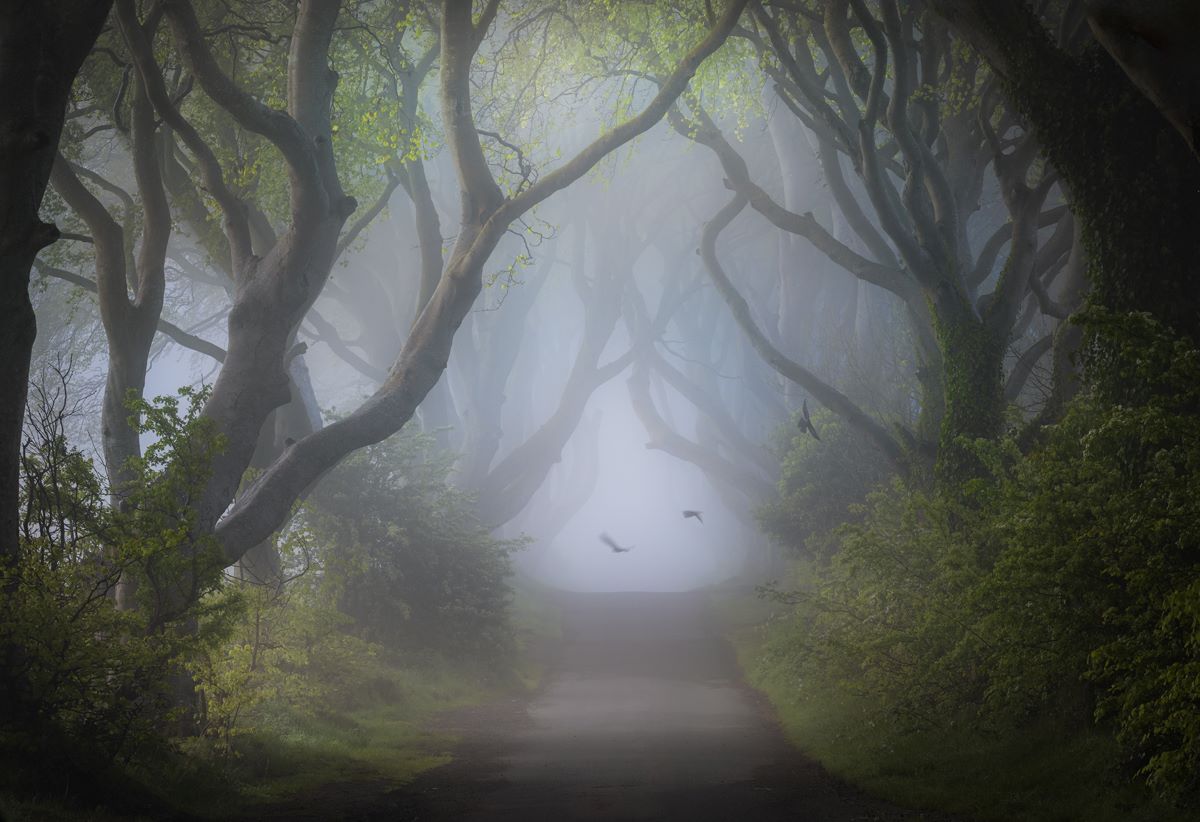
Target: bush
(384, 559)
(413, 568)
(1105, 549)
(121, 636)
(1065, 583)
(284, 647)
(819, 482)
(86, 684)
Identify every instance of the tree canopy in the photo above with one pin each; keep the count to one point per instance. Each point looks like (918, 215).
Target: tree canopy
(904, 290)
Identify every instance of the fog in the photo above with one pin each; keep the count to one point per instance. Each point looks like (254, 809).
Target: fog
(638, 500)
(637, 493)
(627, 236)
(458, 409)
(602, 382)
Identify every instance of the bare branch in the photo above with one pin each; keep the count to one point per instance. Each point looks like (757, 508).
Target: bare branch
(237, 226)
(277, 126)
(167, 328)
(669, 90)
(365, 218)
(738, 179)
(824, 393)
(327, 333)
(1025, 365)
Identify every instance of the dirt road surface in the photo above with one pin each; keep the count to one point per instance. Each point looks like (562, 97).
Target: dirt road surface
(644, 716)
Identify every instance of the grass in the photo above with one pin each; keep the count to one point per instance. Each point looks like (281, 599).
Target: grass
(51, 810)
(393, 738)
(536, 621)
(1038, 773)
(385, 740)
(381, 736)
(389, 742)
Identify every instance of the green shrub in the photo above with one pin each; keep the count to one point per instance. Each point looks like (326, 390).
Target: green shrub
(121, 635)
(86, 684)
(413, 568)
(287, 649)
(820, 480)
(383, 561)
(1105, 545)
(1064, 584)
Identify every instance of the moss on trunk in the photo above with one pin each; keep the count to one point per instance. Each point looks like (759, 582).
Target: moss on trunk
(973, 385)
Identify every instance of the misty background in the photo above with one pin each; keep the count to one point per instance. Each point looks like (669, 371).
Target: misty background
(626, 237)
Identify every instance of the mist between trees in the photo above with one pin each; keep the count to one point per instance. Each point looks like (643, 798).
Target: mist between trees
(348, 315)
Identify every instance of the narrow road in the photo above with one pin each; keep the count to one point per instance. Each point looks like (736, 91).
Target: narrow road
(643, 717)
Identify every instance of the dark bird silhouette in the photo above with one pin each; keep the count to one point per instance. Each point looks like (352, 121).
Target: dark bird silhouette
(616, 549)
(694, 515)
(805, 422)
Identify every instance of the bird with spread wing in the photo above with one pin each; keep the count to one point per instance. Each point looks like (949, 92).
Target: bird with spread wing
(611, 543)
(694, 515)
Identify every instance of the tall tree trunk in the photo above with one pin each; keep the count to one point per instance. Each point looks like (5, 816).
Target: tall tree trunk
(1135, 186)
(42, 46)
(262, 564)
(972, 385)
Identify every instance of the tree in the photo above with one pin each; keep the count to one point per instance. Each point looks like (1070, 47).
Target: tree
(1134, 186)
(130, 323)
(273, 290)
(166, 198)
(42, 48)
(921, 188)
(1153, 43)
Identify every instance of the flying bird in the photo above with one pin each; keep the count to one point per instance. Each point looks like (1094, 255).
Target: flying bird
(805, 422)
(616, 549)
(694, 515)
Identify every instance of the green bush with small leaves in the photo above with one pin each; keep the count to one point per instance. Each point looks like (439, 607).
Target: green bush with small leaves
(414, 569)
(1062, 583)
(820, 481)
(87, 684)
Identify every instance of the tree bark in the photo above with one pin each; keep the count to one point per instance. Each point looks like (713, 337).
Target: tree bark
(1135, 186)
(820, 390)
(1155, 44)
(130, 322)
(973, 384)
(42, 46)
(486, 216)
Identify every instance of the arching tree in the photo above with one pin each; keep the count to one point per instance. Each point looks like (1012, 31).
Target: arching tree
(911, 216)
(277, 271)
(1135, 208)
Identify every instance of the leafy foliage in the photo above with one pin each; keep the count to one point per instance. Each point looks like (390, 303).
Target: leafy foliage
(1063, 583)
(819, 482)
(73, 698)
(288, 649)
(408, 562)
(384, 558)
(384, 564)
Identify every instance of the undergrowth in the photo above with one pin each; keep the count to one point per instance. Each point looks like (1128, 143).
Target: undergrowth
(1042, 772)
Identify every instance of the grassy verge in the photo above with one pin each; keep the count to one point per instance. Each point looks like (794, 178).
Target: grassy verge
(379, 735)
(51, 810)
(384, 739)
(536, 620)
(1039, 773)
(388, 740)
